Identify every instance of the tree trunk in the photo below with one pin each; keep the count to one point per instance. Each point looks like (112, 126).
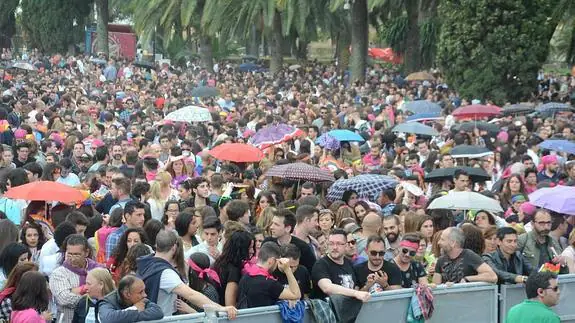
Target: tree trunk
(428, 47)
(343, 54)
(276, 60)
(412, 47)
(253, 47)
(206, 52)
(102, 27)
(301, 53)
(359, 40)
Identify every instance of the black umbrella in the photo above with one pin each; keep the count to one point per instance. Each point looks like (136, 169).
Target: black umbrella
(205, 91)
(491, 128)
(467, 151)
(144, 64)
(441, 174)
(515, 109)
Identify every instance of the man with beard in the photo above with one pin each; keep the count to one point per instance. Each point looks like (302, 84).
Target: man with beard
(333, 274)
(376, 274)
(458, 265)
(392, 237)
(117, 154)
(550, 171)
(537, 246)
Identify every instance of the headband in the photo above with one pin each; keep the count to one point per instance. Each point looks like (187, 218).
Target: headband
(409, 244)
(203, 272)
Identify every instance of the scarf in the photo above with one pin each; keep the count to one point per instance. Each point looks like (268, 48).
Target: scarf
(7, 292)
(82, 272)
(255, 270)
(203, 272)
(150, 176)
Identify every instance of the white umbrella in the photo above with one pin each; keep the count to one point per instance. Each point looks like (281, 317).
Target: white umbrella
(24, 66)
(411, 188)
(190, 113)
(466, 201)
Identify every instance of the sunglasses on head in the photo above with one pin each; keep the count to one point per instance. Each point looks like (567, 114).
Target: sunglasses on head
(407, 251)
(375, 253)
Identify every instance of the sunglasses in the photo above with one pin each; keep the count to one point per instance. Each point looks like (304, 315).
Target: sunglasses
(407, 251)
(351, 242)
(376, 253)
(555, 289)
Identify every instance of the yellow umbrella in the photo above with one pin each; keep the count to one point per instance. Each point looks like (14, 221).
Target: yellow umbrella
(420, 76)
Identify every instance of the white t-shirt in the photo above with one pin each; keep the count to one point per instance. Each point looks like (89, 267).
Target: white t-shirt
(166, 299)
(70, 180)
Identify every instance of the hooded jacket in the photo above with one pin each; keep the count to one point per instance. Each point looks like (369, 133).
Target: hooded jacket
(113, 310)
(150, 270)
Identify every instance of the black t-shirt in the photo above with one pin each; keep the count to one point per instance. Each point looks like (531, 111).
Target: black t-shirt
(307, 258)
(453, 270)
(256, 291)
(301, 276)
(342, 275)
(229, 273)
(411, 276)
(392, 271)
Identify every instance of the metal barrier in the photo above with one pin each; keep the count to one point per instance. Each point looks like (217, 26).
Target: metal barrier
(472, 302)
(511, 295)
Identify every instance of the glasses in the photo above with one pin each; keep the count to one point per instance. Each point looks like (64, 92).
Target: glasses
(351, 242)
(376, 253)
(555, 289)
(407, 251)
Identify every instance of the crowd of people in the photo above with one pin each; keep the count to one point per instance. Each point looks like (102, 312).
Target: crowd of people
(167, 229)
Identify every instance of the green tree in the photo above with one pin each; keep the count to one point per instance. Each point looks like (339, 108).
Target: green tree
(102, 26)
(7, 22)
(492, 49)
(54, 25)
(359, 22)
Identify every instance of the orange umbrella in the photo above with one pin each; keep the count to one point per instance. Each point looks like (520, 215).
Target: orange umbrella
(239, 153)
(45, 191)
(385, 54)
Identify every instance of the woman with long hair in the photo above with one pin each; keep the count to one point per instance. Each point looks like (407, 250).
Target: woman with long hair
(513, 185)
(239, 249)
(177, 169)
(473, 238)
(264, 200)
(426, 229)
(99, 283)
(10, 287)
(360, 209)
(13, 254)
(265, 219)
(130, 238)
(160, 193)
(36, 213)
(171, 211)
(202, 278)
(129, 265)
(30, 298)
(186, 225)
(51, 172)
(326, 220)
(33, 237)
(8, 233)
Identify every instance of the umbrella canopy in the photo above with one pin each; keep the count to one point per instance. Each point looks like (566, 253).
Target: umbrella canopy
(467, 201)
(144, 64)
(98, 61)
(294, 67)
(273, 135)
(367, 186)
(420, 76)
(467, 151)
(491, 128)
(560, 199)
(24, 66)
(327, 141)
(384, 54)
(424, 117)
(476, 111)
(301, 171)
(190, 113)
(415, 128)
(559, 145)
(516, 109)
(249, 67)
(205, 92)
(45, 191)
(423, 106)
(346, 135)
(554, 107)
(441, 174)
(239, 153)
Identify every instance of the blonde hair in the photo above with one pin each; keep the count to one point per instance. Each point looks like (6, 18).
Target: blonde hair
(265, 219)
(164, 178)
(343, 213)
(104, 277)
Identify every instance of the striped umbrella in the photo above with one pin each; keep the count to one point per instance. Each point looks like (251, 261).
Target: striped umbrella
(300, 171)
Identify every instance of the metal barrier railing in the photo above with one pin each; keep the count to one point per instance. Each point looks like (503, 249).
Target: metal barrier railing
(472, 302)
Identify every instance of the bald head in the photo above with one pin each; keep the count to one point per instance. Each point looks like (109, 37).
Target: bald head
(371, 222)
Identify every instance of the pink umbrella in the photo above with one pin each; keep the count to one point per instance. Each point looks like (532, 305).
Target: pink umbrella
(475, 111)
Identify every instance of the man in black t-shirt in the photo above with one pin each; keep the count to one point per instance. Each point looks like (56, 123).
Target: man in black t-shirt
(259, 288)
(302, 276)
(458, 265)
(333, 274)
(282, 226)
(376, 274)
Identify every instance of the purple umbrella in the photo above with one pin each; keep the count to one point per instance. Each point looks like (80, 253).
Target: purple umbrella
(273, 135)
(328, 141)
(560, 199)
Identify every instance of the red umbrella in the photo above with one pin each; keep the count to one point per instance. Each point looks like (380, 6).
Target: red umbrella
(239, 153)
(385, 54)
(475, 111)
(45, 191)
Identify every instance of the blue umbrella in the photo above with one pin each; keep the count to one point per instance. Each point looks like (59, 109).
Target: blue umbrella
(554, 107)
(367, 186)
(415, 128)
(423, 106)
(327, 141)
(346, 135)
(424, 117)
(249, 67)
(559, 145)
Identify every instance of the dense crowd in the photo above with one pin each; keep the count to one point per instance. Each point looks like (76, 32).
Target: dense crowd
(165, 228)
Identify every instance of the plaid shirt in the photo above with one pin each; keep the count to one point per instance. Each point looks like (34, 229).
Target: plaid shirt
(114, 239)
(6, 309)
